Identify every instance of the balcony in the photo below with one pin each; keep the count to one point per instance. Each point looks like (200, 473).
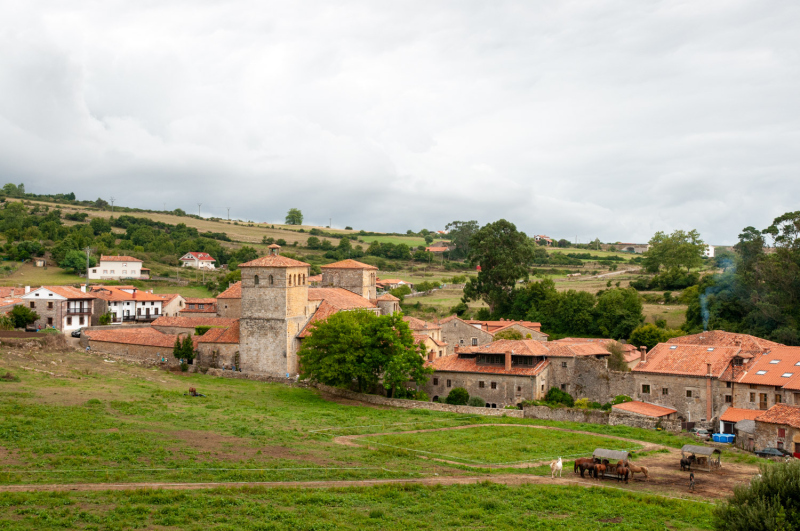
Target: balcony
(138, 318)
(79, 311)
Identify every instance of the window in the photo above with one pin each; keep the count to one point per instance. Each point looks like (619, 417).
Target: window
(69, 321)
(774, 362)
(752, 386)
(782, 433)
(645, 389)
(448, 383)
(494, 385)
(436, 381)
(49, 305)
(797, 399)
(778, 399)
(664, 390)
(481, 385)
(519, 389)
(50, 321)
(105, 271)
(563, 364)
(474, 341)
(201, 306)
(80, 320)
(94, 270)
(752, 397)
(255, 280)
(728, 399)
(563, 387)
(761, 373)
(688, 393)
(271, 280)
(787, 375)
(33, 304)
(728, 385)
(124, 271)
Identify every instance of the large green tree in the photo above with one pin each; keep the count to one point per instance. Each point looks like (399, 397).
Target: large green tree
(360, 347)
(294, 217)
(618, 313)
(460, 233)
(505, 256)
(650, 335)
(76, 261)
(679, 249)
(22, 316)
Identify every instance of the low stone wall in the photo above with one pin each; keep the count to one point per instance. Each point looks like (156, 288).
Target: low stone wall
(258, 377)
(143, 354)
(594, 416)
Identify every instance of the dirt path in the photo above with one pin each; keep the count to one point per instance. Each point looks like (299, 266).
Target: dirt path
(348, 440)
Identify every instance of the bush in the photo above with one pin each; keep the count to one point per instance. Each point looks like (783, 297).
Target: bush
(508, 334)
(476, 401)
(620, 399)
(458, 396)
(557, 396)
(582, 403)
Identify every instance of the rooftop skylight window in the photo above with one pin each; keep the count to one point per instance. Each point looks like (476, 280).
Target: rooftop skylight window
(773, 362)
(787, 374)
(710, 349)
(674, 347)
(761, 372)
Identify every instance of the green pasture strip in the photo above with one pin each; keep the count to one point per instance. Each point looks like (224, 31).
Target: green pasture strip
(385, 507)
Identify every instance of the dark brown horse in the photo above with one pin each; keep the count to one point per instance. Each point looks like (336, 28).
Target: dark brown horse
(583, 464)
(600, 471)
(622, 473)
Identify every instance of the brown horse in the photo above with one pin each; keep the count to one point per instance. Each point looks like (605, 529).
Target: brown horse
(600, 471)
(638, 470)
(587, 466)
(622, 473)
(582, 464)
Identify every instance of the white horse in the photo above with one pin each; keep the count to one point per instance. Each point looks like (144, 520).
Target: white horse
(555, 468)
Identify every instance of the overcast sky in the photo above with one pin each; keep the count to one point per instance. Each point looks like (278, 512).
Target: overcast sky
(591, 118)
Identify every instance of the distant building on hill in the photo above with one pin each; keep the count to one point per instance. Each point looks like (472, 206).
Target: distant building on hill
(117, 268)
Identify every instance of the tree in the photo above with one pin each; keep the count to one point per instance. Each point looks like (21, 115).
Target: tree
(22, 316)
(102, 204)
(557, 396)
(184, 349)
(616, 361)
(100, 225)
(679, 249)
(504, 255)
(650, 335)
(313, 242)
(76, 261)
(294, 217)
(460, 233)
(618, 313)
(360, 347)
(767, 502)
(106, 318)
(458, 396)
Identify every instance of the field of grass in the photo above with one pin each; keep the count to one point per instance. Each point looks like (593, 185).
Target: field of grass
(184, 291)
(411, 241)
(500, 444)
(674, 314)
(30, 275)
(391, 507)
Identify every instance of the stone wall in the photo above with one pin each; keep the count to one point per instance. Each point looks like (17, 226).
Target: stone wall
(136, 353)
(231, 308)
(594, 416)
(671, 391)
(457, 333)
(217, 355)
(359, 281)
(591, 379)
(509, 390)
(767, 436)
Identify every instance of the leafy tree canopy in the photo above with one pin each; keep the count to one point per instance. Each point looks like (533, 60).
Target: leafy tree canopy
(679, 249)
(294, 217)
(650, 335)
(22, 316)
(460, 234)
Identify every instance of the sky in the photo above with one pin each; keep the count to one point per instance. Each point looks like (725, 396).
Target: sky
(576, 119)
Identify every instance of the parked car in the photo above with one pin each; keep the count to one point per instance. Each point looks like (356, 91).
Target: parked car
(77, 333)
(773, 452)
(701, 433)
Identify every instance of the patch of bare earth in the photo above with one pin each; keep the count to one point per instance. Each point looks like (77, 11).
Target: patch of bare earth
(229, 448)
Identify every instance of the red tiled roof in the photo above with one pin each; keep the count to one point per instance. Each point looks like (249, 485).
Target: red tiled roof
(493, 326)
(191, 322)
(626, 347)
(315, 279)
(735, 414)
(643, 408)
(689, 360)
(134, 336)
(194, 300)
(454, 363)
(419, 324)
(437, 249)
(221, 335)
(274, 260)
(387, 297)
(349, 264)
(324, 311)
(774, 365)
(204, 257)
(781, 414)
(720, 338)
(209, 309)
(512, 325)
(520, 347)
(339, 298)
(234, 291)
(11, 292)
(113, 293)
(168, 297)
(10, 302)
(389, 281)
(120, 258)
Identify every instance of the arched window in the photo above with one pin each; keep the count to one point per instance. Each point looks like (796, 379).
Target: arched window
(255, 280)
(290, 280)
(270, 280)
(304, 279)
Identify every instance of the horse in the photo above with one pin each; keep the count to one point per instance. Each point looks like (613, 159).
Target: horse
(686, 464)
(638, 470)
(622, 473)
(556, 467)
(584, 466)
(600, 472)
(581, 463)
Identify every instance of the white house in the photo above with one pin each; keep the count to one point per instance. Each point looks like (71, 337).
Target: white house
(62, 307)
(198, 260)
(709, 252)
(116, 268)
(128, 304)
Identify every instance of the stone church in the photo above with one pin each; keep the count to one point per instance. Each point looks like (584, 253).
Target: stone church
(279, 308)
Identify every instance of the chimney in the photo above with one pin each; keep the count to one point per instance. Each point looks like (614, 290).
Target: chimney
(643, 349)
(83, 288)
(27, 289)
(708, 367)
(431, 355)
(508, 360)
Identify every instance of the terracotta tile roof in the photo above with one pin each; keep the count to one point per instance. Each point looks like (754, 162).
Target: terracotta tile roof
(449, 318)
(209, 309)
(781, 414)
(493, 326)
(339, 298)
(626, 347)
(315, 279)
(349, 264)
(387, 297)
(134, 336)
(234, 291)
(632, 355)
(191, 322)
(10, 302)
(777, 367)
(389, 281)
(114, 294)
(120, 258)
(735, 414)
(454, 363)
(194, 300)
(419, 324)
(11, 292)
(512, 325)
(274, 260)
(521, 347)
(720, 338)
(324, 310)
(643, 408)
(204, 257)
(229, 334)
(689, 360)
(168, 297)
(437, 249)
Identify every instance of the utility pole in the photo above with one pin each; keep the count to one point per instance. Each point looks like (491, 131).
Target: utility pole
(198, 208)
(112, 198)
(330, 223)
(88, 251)
(229, 213)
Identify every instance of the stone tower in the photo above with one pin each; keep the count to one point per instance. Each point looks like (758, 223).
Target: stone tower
(351, 275)
(274, 311)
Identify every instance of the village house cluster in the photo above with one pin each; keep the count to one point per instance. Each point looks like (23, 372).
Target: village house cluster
(733, 383)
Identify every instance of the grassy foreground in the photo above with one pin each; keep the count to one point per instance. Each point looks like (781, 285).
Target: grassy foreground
(391, 507)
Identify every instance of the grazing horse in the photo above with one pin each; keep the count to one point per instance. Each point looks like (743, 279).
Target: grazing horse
(584, 461)
(586, 466)
(555, 468)
(600, 471)
(622, 473)
(686, 464)
(638, 470)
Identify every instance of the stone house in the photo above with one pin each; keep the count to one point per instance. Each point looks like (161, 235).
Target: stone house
(732, 415)
(198, 260)
(126, 304)
(430, 334)
(145, 345)
(458, 333)
(352, 276)
(219, 348)
(768, 379)
(229, 302)
(631, 354)
(116, 268)
(62, 307)
(779, 427)
(198, 306)
(172, 305)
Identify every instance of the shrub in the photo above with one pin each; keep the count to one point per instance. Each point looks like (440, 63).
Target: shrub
(582, 403)
(458, 396)
(476, 401)
(106, 318)
(508, 334)
(620, 399)
(422, 396)
(557, 396)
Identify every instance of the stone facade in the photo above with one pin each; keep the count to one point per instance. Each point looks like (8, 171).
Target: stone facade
(54, 314)
(229, 308)
(457, 333)
(359, 281)
(770, 435)
(594, 416)
(525, 331)
(137, 353)
(590, 378)
(752, 396)
(707, 400)
(217, 355)
(498, 390)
